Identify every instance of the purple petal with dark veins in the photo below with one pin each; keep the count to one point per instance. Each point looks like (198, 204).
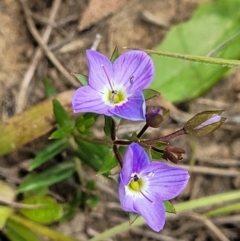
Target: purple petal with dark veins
(134, 109)
(153, 213)
(134, 161)
(127, 202)
(86, 99)
(100, 70)
(165, 182)
(134, 70)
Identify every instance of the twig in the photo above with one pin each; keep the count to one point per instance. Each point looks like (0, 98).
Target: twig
(46, 50)
(212, 171)
(22, 96)
(97, 41)
(209, 224)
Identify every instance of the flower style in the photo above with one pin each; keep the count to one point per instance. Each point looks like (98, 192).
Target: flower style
(115, 89)
(144, 185)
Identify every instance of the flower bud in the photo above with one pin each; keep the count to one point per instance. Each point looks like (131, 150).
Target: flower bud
(155, 116)
(168, 154)
(204, 123)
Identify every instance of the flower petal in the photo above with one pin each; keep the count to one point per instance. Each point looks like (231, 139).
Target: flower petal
(134, 109)
(134, 70)
(86, 99)
(100, 70)
(165, 182)
(125, 200)
(153, 213)
(134, 161)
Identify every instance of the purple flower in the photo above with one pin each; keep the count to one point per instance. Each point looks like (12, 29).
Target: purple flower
(214, 119)
(144, 185)
(115, 89)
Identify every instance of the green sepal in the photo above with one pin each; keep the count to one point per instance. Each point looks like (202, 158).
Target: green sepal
(115, 54)
(150, 93)
(169, 208)
(132, 217)
(83, 79)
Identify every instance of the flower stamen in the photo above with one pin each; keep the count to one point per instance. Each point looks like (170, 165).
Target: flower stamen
(105, 72)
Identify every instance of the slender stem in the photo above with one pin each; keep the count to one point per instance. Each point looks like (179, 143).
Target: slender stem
(195, 58)
(42, 230)
(118, 155)
(121, 142)
(142, 131)
(165, 138)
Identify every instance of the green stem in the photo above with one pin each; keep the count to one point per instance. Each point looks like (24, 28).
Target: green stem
(180, 208)
(42, 230)
(195, 58)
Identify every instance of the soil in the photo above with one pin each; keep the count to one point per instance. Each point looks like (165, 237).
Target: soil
(68, 41)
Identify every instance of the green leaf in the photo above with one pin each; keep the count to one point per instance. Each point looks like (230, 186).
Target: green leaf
(51, 176)
(150, 93)
(180, 80)
(49, 88)
(85, 121)
(91, 154)
(115, 54)
(110, 161)
(5, 212)
(169, 208)
(17, 232)
(61, 115)
(92, 200)
(62, 132)
(50, 151)
(108, 126)
(49, 210)
(83, 79)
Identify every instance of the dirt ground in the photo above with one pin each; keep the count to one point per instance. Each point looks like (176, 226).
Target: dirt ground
(217, 157)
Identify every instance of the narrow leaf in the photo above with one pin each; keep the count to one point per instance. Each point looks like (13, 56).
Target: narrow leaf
(49, 88)
(49, 177)
(18, 232)
(48, 152)
(62, 132)
(62, 117)
(110, 161)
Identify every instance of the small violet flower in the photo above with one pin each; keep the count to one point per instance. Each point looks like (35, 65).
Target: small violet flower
(144, 185)
(115, 89)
